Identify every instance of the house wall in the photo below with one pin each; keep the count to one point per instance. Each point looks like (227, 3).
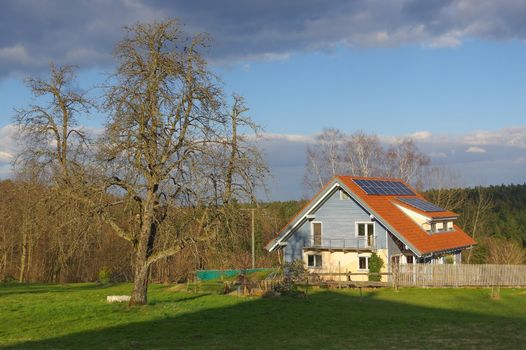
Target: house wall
(392, 248)
(417, 217)
(340, 262)
(338, 218)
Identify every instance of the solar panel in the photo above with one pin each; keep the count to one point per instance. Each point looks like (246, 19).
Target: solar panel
(384, 187)
(421, 204)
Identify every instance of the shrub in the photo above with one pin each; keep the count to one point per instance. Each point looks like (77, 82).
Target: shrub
(375, 266)
(448, 259)
(104, 275)
(295, 270)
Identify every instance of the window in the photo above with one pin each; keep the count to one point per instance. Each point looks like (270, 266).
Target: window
(316, 233)
(314, 261)
(439, 226)
(365, 230)
(344, 196)
(409, 259)
(363, 263)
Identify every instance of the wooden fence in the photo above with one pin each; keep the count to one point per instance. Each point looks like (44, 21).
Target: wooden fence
(462, 275)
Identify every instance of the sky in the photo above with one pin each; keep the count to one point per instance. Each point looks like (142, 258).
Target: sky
(450, 74)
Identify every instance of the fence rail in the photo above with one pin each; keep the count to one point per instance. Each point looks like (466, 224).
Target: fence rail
(425, 275)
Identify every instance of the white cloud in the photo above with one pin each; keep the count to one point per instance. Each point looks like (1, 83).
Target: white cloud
(290, 137)
(513, 136)
(8, 149)
(421, 135)
(451, 39)
(475, 149)
(15, 53)
(5, 156)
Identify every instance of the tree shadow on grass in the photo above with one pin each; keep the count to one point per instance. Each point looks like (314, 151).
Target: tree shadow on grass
(12, 288)
(326, 320)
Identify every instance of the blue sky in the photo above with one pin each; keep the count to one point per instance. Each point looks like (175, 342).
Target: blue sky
(450, 74)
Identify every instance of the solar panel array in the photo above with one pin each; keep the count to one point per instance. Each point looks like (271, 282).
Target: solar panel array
(421, 204)
(383, 187)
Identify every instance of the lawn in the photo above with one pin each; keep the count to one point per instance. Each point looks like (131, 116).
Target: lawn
(76, 316)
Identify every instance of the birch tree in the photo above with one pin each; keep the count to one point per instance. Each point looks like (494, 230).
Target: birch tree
(363, 155)
(324, 159)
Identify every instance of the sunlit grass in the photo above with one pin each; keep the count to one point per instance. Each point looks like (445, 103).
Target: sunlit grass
(77, 316)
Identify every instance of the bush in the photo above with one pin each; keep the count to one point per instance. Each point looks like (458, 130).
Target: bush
(293, 273)
(104, 275)
(448, 259)
(375, 266)
(295, 270)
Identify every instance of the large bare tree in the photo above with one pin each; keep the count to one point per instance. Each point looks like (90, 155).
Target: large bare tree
(166, 133)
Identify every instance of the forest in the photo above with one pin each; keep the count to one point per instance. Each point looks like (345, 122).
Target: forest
(43, 243)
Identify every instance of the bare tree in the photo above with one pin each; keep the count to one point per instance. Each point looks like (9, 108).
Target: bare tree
(504, 251)
(324, 159)
(363, 155)
(245, 168)
(163, 140)
(444, 188)
(475, 215)
(50, 132)
(53, 147)
(406, 161)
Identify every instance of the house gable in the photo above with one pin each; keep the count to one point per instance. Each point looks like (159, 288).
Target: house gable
(338, 218)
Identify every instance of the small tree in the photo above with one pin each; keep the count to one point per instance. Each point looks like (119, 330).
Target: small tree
(375, 266)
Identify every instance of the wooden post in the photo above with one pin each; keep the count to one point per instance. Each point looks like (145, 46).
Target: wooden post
(253, 241)
(339, 276)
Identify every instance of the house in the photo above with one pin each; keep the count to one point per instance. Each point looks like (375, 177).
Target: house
(352, 217)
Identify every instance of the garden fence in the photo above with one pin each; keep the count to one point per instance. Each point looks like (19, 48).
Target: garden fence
(461, 275)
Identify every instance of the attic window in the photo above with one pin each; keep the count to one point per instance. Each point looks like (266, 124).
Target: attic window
(344, 196)
(439, 226)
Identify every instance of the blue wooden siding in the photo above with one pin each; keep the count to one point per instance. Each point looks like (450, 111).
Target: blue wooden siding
(338, 218)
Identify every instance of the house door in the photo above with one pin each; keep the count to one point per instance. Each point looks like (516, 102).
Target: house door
(316, 233)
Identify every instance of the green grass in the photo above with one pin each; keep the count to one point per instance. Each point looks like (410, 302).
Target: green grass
(76, 316)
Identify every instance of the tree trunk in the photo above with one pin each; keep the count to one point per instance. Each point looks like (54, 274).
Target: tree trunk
(140, 284)
(143, 251)
(23, 254)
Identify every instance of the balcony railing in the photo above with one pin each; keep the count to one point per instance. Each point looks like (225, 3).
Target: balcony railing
(359, 243)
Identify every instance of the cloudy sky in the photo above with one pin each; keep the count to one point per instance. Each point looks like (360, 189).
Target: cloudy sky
(452, 74)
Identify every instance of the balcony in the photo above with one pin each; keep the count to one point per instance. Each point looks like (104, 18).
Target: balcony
(342, 244)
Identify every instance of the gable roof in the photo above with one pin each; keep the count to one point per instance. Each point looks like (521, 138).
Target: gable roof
(385, 210)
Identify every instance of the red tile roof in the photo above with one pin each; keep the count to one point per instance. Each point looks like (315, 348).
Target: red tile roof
(384, 206)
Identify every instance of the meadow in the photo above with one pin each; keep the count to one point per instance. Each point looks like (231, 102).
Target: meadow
(76, 316)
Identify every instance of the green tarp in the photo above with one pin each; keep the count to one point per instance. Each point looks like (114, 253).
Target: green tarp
(207, 275)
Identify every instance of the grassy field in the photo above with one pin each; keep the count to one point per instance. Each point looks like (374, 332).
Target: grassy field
(77, 317)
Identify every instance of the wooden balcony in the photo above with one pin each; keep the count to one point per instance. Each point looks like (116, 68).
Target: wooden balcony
(342, 245)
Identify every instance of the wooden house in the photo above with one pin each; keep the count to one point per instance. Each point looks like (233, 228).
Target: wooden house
(352, 217)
